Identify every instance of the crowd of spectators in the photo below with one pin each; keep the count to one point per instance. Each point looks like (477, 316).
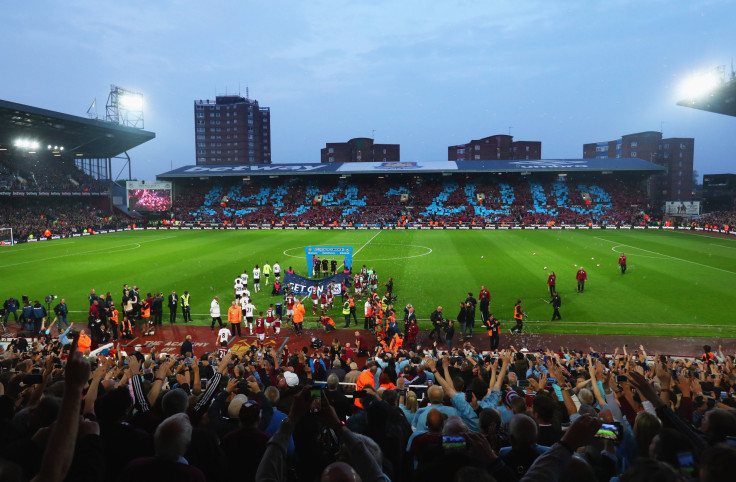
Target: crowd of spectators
(418, 414)
(32, 218)
(718, 219)
(46, 174)
(393, 199)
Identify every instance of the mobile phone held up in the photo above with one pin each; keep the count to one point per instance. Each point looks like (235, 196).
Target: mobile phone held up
(316, 404)
(611, 431)
(454, 443)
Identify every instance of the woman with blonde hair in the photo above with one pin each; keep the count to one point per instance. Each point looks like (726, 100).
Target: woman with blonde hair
(646, 427)
(409, 405)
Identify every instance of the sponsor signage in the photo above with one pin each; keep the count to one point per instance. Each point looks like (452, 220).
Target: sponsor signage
(255, 168)
(489, 165)
(301, 286)
(681, 208)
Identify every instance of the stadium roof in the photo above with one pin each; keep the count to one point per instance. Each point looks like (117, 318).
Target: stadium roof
(342, 168)
(92, 138)
(722, 100)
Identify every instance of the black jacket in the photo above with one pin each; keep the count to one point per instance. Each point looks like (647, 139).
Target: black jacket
(556, 301)
(157, 307)
(186, 347)
(450, 330)
(462, 316)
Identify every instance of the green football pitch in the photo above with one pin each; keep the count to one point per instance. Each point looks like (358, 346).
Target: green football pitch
(679, 284)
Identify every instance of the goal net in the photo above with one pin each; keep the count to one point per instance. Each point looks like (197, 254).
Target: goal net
(6, 237)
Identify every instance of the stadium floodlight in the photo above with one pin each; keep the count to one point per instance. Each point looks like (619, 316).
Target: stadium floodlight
(124, 107)
(26, 144)
(131, 101)
(700, 85)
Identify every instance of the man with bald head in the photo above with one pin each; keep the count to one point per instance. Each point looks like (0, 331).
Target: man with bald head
(436, 395)
(433, 435)
(524, 449)
(339, 472)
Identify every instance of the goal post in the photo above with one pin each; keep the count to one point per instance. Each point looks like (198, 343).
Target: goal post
(6, 237)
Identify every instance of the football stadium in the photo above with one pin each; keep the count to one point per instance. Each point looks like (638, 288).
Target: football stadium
(526, 279)
(439, 229)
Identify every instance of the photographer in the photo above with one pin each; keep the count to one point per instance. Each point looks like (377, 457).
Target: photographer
(61, 310)
(437, 323)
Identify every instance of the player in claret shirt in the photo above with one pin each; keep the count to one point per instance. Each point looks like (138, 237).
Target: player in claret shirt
(330, 295)
(273, 320)
(323, 302)
(260, 329)
(373, 279)
(358, 283)
(289, 301)
(313, 293)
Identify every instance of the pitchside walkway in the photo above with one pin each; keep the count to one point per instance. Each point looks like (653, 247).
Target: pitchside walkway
(168, 339)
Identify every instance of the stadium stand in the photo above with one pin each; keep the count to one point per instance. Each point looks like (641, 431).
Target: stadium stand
(451, 199)
(45, 175)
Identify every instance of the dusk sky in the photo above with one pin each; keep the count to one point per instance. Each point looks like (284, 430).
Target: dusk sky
(422, 74)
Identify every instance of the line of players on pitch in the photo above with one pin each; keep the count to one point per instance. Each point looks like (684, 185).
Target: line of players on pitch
(242, 309)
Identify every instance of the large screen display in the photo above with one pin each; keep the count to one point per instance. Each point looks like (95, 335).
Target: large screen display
(149, 196)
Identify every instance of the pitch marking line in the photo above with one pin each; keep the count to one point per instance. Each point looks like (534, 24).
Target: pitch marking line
(113, 249)
(109, 250)
(666, 256)
(429, 251)
(638, 255)
(722, 246)
(369, 242)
